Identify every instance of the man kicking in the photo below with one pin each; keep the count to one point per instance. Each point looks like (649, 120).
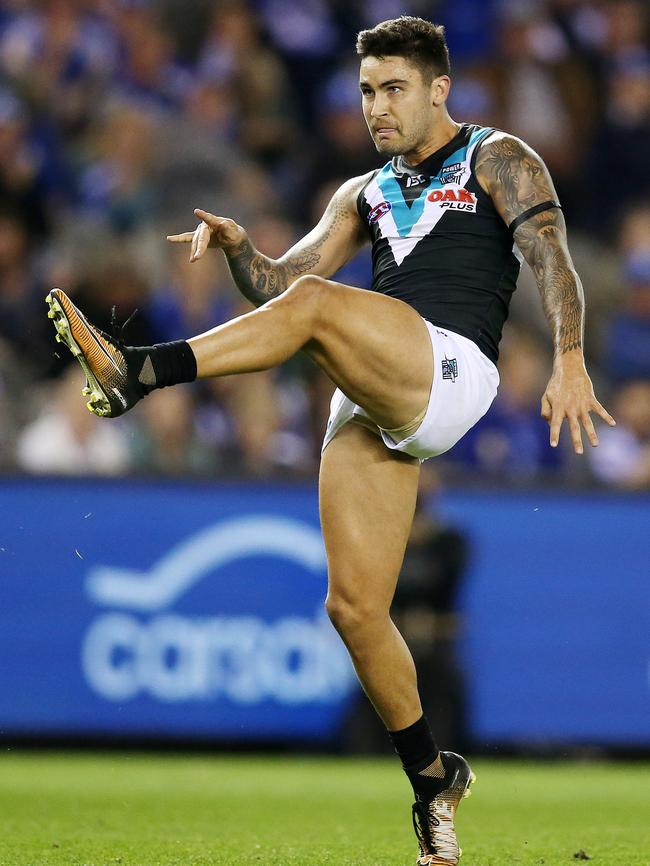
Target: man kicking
(413, 359)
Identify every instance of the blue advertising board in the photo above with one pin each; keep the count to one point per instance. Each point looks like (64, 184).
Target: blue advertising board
(160, 609)
(558, 616)
(166, 609)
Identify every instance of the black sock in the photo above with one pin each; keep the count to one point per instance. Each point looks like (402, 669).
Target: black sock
(169, 364)
(420, 757)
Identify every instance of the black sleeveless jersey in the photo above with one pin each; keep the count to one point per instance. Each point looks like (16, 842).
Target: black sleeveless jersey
(438, 242)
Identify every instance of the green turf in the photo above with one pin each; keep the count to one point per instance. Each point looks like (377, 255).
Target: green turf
(145, 810)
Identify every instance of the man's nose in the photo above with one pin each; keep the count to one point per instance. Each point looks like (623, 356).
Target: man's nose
(379, 106)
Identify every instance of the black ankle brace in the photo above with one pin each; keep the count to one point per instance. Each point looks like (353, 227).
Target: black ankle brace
(415, 746)
(167, 364)
(419, 755)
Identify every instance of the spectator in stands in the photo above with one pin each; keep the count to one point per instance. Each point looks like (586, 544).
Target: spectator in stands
(23, 183)
(116, 191)
(165, 440)
(149, 74)
(193, 299)
(543, 93)
(628, 334)
(21, 301)
(14, 402)
(619, 153)
(235, 52)
(63, 439)
(623, 456)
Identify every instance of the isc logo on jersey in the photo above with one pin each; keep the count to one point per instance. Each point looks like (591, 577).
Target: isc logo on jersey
(454, 198)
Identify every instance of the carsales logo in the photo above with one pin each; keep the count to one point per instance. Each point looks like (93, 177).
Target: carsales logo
(454, 198)
(378, 212)
(141, 646)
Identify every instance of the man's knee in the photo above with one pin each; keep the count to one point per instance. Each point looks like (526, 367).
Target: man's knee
(307, 289)
(353, 614)
(306, 294)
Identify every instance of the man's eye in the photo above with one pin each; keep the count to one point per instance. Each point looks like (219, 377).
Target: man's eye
(395, 89)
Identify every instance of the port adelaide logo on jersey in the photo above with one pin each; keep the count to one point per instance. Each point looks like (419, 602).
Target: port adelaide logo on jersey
(378, 212)
(451, 173)
(454, 198)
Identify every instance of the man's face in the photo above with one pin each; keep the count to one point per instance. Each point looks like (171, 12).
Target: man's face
(397, 104)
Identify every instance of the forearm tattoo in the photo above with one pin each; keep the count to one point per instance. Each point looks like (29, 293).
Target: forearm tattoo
(260, 278)
(518, 180)
(542, 241)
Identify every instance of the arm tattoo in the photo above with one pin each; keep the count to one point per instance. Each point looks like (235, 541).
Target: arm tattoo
(260, 278)
(542, 241)
(517, 180)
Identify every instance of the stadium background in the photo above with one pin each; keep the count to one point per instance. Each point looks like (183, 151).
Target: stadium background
(529, 587)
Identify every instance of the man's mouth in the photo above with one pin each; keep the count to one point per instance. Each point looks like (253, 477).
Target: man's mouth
(385, 131)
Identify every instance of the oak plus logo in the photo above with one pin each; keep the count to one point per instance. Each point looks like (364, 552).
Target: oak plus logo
(142, 645)
(454, 198)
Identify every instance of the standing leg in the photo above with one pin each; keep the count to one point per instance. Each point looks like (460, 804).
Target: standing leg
(367, 502)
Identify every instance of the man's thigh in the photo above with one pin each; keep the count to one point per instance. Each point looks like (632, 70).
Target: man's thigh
(367, 502)
(377, 350)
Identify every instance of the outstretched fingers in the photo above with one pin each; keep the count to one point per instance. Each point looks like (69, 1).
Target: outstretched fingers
(576, 433)
(200, 241)
(588, 424)
(208, 218)
(199, 238)
(576, 422)
(556, 420)
(604, 414)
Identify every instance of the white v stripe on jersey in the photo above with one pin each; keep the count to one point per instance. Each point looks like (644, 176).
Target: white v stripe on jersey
(432, 213)
(402, 246)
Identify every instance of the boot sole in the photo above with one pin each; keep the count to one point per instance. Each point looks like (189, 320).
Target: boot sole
(98, 403)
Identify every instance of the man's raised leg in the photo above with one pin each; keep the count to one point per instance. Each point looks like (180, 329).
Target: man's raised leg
(376, 349)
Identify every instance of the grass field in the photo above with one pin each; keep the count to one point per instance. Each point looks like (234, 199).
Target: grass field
(148, 809)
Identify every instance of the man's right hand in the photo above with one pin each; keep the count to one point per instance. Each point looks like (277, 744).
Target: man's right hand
(212, 231)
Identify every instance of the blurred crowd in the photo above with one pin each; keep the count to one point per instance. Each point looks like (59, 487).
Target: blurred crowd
(119, 117)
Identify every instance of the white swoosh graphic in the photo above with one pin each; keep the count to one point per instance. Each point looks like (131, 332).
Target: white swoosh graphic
(212, 548)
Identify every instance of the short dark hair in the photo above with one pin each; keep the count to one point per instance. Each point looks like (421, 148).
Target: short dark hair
(415, 39)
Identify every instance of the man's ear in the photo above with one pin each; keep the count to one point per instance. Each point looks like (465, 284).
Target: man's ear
(440, 87)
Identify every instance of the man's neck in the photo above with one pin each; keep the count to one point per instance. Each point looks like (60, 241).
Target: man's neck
(441, 135)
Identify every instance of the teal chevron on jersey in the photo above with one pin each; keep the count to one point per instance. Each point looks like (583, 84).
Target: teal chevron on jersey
(406, 216)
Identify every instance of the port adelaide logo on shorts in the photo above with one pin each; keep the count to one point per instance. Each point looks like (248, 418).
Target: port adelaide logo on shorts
(378, 212)
(450, 369)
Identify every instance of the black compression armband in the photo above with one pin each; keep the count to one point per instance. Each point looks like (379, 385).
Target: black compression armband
(531, 212)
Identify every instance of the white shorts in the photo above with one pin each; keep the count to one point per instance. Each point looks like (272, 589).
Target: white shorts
(465, 383)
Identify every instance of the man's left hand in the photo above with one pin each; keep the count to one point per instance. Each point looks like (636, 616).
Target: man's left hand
(570, 394)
